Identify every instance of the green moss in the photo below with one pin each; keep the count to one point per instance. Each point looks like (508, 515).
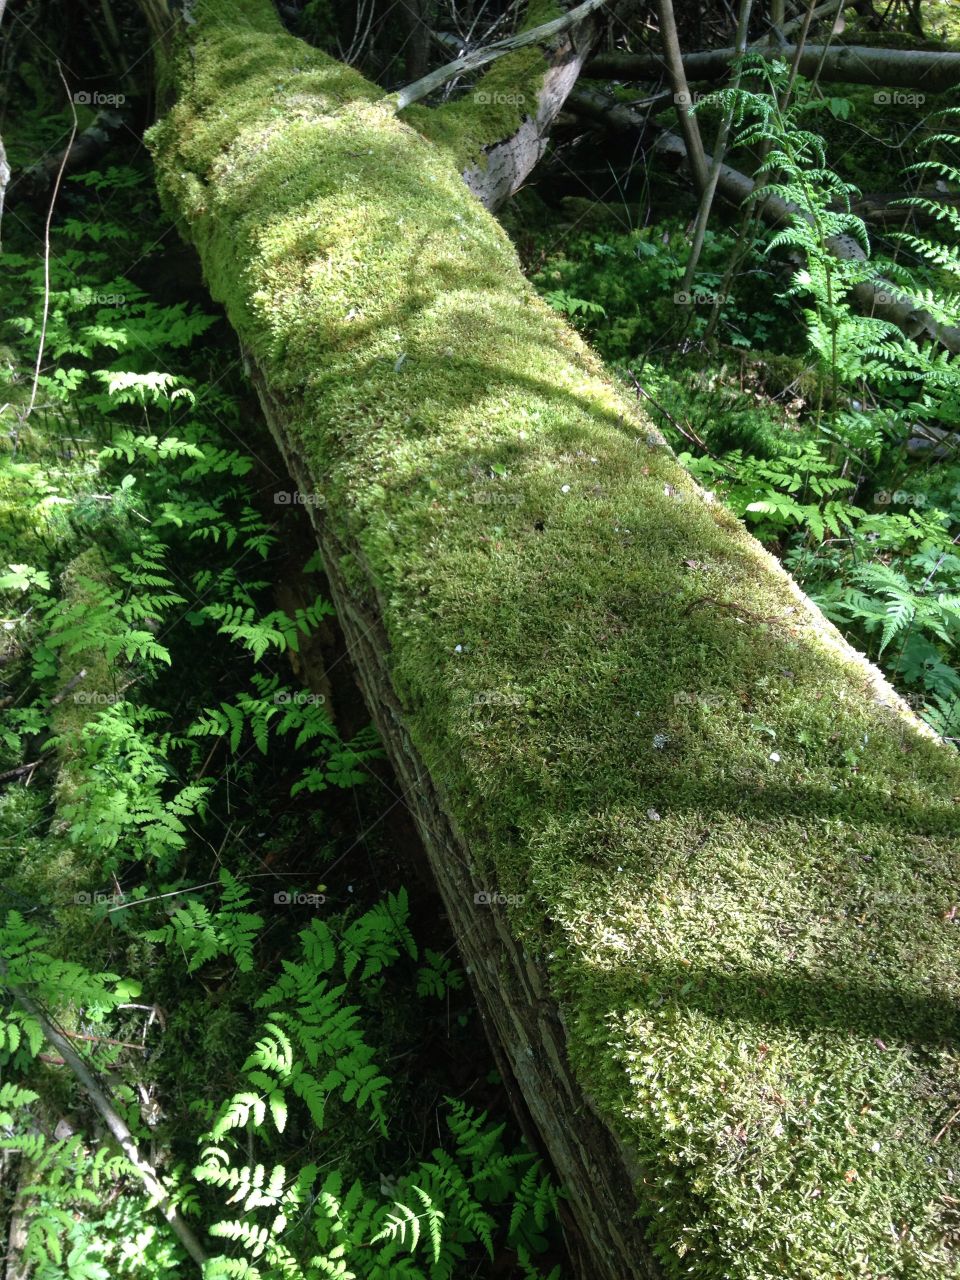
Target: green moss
(495, 107)
(738, 865)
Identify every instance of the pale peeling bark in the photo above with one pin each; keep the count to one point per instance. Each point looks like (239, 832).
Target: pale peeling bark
(570, 653)
(536, 89)
(507, 163)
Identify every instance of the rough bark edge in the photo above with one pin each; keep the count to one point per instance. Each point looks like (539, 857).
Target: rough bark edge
(499, 131)
(523, 1026)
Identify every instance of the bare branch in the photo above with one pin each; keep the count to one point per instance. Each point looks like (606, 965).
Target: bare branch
(673, 62)
(111, 1118)
(853, 64)
(481, 57)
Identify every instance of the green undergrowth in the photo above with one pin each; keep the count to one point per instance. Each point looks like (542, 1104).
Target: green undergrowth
(199, 859)
(738, 854)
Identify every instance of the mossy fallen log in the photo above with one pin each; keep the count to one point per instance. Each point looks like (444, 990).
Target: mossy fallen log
(701, 861)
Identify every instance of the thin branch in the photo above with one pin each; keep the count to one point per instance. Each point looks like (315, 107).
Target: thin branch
(111, 1119)
(46, 250)
(719, 151)
(689, 126)
(428, 84)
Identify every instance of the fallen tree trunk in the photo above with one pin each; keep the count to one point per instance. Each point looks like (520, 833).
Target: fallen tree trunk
(880, 298)
(713, 960)
(850, 64)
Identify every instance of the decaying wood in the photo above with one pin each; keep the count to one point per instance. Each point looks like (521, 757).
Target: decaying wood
(850, 64)
(522, 1022)
(482, 57)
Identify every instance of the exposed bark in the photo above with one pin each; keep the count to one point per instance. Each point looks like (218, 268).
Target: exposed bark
(21, 1172)
(482, 57)
(850, 64)
(881, 298)
(522, 1022)
(565, 44)
(507, 163)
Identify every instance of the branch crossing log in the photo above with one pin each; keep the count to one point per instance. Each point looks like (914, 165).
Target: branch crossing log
(499, 130)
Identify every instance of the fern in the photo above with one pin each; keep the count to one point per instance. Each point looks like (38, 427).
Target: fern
(203, 935)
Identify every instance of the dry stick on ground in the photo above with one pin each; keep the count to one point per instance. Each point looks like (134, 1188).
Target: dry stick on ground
(111, 1119)
(681, 94)
(480, 57)
(720, 148)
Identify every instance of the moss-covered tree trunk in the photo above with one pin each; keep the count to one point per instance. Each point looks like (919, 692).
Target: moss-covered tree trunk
(699, 858)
